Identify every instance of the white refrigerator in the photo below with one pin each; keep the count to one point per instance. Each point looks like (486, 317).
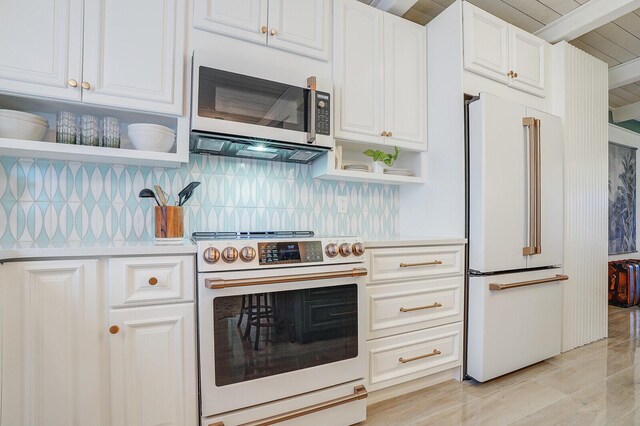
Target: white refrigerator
(515, 237)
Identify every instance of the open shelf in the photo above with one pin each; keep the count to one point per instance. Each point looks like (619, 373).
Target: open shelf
(126, 154)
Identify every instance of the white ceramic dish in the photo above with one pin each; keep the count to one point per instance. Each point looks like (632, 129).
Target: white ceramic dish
(25, 116)
(149, 126)
(151, 140)
(15, 128)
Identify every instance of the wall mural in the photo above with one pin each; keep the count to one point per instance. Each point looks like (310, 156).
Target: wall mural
(622, 199)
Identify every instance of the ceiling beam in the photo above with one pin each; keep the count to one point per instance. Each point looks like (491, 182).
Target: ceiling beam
(589, 16)
(397, 7)
(627, 112)
(624, 74)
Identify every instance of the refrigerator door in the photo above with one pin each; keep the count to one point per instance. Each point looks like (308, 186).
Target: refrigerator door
(551, 191)
(498, 179)
(513, 327)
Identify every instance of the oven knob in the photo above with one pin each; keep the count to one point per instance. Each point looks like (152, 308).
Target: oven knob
(211, 255)
(345, 249)
(322, 104)
(230, 254)
(247, 254)
(331, 250)
(358, 249)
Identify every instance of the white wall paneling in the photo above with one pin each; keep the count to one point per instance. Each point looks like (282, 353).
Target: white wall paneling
(581, 100)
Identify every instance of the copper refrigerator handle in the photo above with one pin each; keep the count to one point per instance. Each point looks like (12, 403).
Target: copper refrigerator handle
(359, 392)
(538, 241)
(500, 287)
(311, 134)
(530, 249)
(219, 283)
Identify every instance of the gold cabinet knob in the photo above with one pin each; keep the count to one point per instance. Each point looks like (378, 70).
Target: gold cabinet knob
(85, 85)
(515, 75)
(264, 29)
(510, 74)
(72, 83)
(114, 329)
(153, 281)
(389, 134)
(273, 31)
(383, 134)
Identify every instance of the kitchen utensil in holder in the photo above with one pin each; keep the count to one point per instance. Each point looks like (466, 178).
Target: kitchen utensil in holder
(169, 222)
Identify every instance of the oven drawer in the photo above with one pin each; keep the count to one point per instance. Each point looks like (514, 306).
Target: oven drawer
(151, 280)
(396, 264)
(403, 307)
(409, 356)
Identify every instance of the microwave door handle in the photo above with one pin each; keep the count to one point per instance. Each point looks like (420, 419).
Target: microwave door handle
(311, 134)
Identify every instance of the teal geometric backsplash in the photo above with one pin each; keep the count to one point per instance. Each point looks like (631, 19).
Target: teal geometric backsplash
(43, 201)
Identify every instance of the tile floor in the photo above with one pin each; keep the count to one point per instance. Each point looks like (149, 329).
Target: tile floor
(596, 384)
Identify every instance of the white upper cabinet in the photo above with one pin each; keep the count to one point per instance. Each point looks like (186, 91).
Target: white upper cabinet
(41, 47)
(245, 19)
(358, 77)
(380, 77)
(301, 26)
(504, 53)
(486, 44)
(405, 82)
(526, 59)
(133, 54)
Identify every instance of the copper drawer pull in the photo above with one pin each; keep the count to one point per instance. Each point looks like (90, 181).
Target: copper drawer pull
(415, 358)
(435, 305)
(359, 392)
(410, 265)
(500, 287)
(219, 283)
(153, 281)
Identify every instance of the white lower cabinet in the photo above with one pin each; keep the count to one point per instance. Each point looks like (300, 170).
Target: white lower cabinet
(67, 360)
(153, 366)
(415, 308)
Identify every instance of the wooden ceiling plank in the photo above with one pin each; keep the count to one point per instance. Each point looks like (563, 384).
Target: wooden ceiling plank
(534, 9)
(418, 17)
(625, 94)
(623, 74)
(615, 101)
(630, 22)
(627, 112)
(444, 3)
(603, 44)
(621, 37)
(397, 7)
(595, 52)
(632, 88)
(509, 13)
(429, 7)
(586, 18)
(561, 6)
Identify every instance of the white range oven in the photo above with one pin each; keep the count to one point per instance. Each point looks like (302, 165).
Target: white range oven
(281, 328)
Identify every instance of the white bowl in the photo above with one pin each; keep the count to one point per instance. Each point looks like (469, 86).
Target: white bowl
(151, 127)
(23, 116)
(14, 128)
(151, 140)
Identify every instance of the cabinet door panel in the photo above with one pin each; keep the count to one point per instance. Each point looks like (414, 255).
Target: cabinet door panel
(301, 26)
(41, 47)
(153, 366)
(242, 19)
(51, 344)
(486, 44)
(358, 76)
(405, 72)
(133, 54)
(526, 58)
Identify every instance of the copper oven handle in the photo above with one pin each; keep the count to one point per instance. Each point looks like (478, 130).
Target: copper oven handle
(411, 265)
(219, 283)
(359, 392)
(530, 249)
(500, 287)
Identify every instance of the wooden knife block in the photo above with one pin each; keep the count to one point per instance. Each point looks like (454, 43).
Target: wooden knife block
(169, 222)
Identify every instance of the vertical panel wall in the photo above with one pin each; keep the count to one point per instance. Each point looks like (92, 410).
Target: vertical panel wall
(580, 98)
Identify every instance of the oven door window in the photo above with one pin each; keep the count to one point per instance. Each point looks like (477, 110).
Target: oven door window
(264, 334)
(239, 98)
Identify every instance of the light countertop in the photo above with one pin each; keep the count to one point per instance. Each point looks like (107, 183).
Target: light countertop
(412, 241)
(82, 249)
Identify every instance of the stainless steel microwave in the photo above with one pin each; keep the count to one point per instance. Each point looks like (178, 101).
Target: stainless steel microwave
(243, 115)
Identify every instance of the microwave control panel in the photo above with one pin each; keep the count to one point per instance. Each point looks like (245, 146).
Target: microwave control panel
(323, 121)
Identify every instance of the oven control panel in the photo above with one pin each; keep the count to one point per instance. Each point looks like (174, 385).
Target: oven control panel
(280, 252)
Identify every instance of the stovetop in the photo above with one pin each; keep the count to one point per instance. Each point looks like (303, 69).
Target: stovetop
(233, 235)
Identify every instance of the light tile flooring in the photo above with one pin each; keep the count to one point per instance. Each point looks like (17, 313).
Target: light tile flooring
(596, 384)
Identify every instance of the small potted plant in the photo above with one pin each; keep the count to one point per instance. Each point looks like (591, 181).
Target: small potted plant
(381, 158)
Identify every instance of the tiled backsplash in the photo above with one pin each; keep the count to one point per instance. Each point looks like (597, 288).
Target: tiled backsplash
(56, 201)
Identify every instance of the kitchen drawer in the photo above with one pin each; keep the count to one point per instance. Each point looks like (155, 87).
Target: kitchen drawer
(417, 262)
(402, 307)
(150, 280)
(409, 356)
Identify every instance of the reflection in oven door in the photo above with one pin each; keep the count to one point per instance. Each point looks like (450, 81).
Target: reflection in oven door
(264, 334)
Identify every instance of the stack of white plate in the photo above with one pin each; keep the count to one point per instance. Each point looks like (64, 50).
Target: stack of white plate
(398, 172)
(22, 125)
(151, 137)
(356, 167)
